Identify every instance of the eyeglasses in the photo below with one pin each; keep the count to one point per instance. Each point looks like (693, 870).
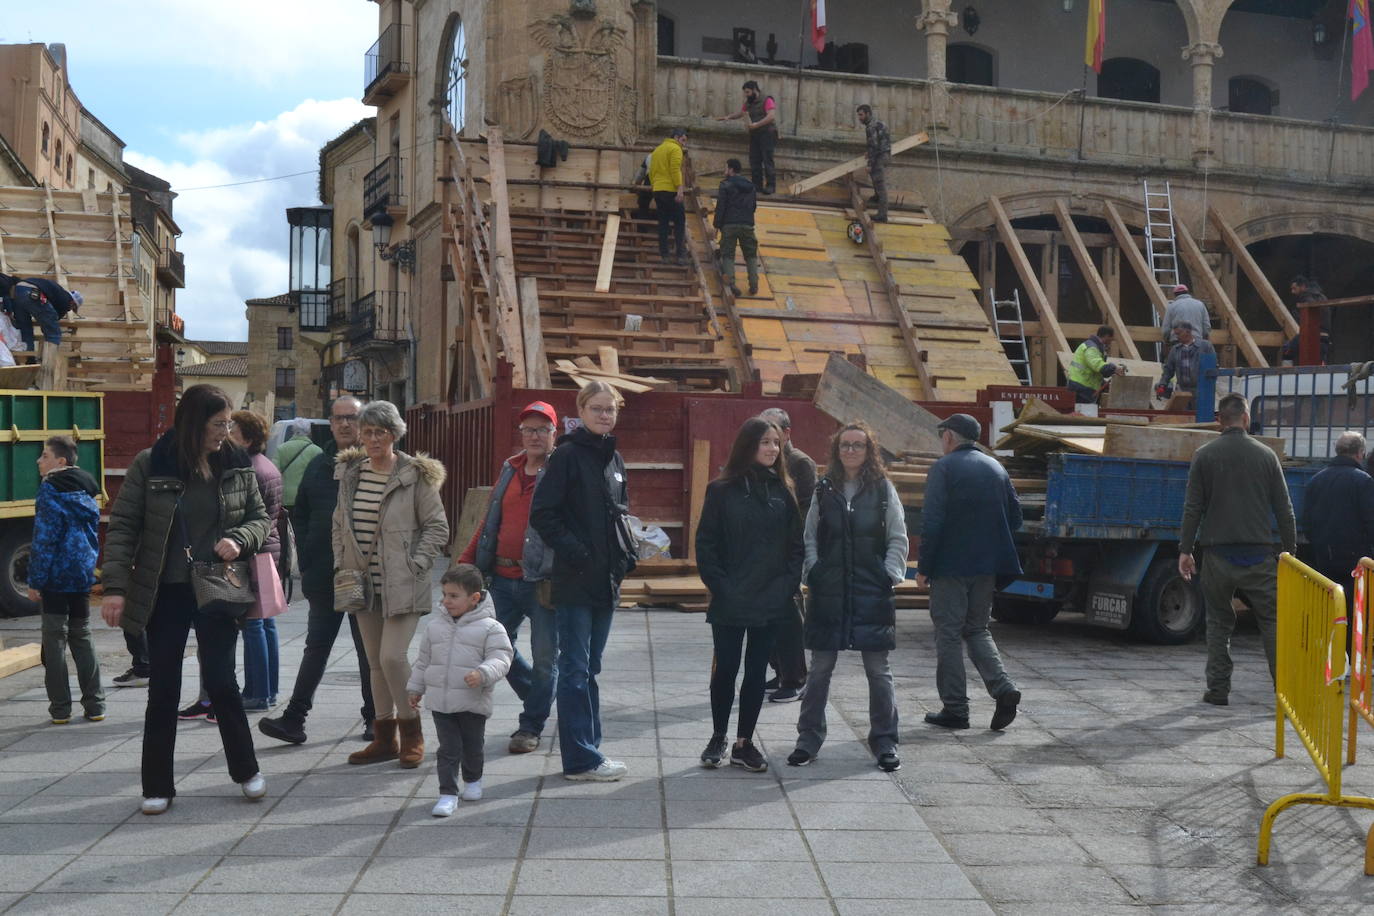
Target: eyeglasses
(535, 430)
(343, 418)
(853, 446)
(604, 411)
(222, 425)
(375, 432)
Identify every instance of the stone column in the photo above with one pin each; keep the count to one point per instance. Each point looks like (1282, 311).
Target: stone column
(936, 19)
(1203, 56)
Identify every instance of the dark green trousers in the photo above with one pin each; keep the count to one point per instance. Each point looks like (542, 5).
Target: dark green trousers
(1221, 581)
(749, 244)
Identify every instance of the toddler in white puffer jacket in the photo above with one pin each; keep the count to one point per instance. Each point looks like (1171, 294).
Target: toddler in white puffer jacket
(464, 651)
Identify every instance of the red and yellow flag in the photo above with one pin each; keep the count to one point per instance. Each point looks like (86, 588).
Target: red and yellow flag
(1362, 58)
(1097, 34)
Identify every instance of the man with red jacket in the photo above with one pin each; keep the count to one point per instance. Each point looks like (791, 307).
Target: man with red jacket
(515, 560)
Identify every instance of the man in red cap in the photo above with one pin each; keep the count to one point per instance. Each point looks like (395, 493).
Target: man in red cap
(1185, 309)
(515, 560)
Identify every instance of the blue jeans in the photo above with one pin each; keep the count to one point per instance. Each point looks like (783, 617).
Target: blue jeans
(582, 634)
(260, 664)
(515, 602)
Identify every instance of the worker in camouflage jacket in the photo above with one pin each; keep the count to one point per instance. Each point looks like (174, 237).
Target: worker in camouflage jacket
(879, 154)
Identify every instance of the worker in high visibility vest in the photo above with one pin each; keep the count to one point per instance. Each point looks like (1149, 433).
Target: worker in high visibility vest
(1089, 370)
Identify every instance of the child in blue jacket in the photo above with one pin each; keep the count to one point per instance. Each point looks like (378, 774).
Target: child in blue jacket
(61, 574)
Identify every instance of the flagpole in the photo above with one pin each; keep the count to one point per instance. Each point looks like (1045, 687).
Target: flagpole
(801, 49)
(1082, 109)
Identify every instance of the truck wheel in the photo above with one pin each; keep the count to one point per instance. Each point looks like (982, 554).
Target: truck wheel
(1023, 611)
(14, 573)
(1168, 609)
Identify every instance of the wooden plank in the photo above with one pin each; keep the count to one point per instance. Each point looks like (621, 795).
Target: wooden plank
(1096, 287)
(119, 260)
(853, 165)
(1029, 279)
(894, 297)
(506, 306)
(20, 658)
(1199, 270)
(608, 359)
(1126, 242)
(1134, 392)
(846, 393)
(536, 360)
(1252, 270)
(603, 273)
(473, 510)
(696, 496)
(1165, 443)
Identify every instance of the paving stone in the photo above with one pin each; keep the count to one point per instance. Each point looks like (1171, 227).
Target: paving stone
(530, 905)
(593, 878)
(875, 846)
(992, 849)
(27, 872)
(130, 874)
(70, 904)
(442, 836)
(754, 877)
(924, 881)
(259, 904)
(599, 812)
(727, 814)
(1084, 885)
(417, 875)
(405, 903)
(149, 836)
(908, 907)
(717, 906)
(290, 840)
(725, 844)
(595, 843)
(266, 874)
(841, 816)
(47, 839)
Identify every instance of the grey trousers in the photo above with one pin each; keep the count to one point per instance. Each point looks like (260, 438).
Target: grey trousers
(1220, 582)
(66, 623)
(882, 702)
(960, 608)
(460, 742)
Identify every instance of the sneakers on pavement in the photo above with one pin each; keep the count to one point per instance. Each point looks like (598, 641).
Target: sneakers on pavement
(800, 758)
(787, 695)
(95, 717)
(61, 720)
(889, 762)
(473, 791)
(715, 753)
(607, 771)
(210, 716)
(946, 719)
(255, 787)
(1006, 710)
(283, 728)
(772, 684)
(1216, 699)
(196, 710)
(747, 756)
(445, 806)
(130, 679)
(155, 805)
(523, 742)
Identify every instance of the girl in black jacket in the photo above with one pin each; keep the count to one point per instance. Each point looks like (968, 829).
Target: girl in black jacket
(749, 551)
(579, 509)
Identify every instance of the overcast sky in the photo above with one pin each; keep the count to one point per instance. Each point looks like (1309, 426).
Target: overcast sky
(211, 93)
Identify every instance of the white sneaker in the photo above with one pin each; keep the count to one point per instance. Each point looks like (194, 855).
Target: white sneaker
(473, 791)
(609, 771)
(255, 787)
(155, 805)
(447, 804)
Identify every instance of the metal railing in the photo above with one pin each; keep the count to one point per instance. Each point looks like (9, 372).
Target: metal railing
(385, 57)
(1306, 406)
(378, 317)
(384, 186)
(340, 295)
(171, 265)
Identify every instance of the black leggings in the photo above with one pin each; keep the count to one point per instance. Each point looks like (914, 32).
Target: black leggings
(729, 645)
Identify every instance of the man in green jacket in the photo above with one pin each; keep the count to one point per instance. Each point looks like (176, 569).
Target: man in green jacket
(1090, 368)
(293, 458)
(1236, 492)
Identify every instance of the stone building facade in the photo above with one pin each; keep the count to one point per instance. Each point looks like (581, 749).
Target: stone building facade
(283, 367)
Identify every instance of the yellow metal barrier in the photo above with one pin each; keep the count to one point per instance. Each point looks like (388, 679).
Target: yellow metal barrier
(1310, 685)
(1362, 675)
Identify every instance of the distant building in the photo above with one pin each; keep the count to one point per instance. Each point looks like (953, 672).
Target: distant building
(229, 373)
(283, 366)
(40, 115)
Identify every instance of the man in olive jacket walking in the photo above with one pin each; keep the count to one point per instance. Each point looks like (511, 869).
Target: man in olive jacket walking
(1236, 492)
(970, 512)
(312, 516)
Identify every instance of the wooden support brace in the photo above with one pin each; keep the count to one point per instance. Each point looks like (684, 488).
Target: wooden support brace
(1252, 270)
(603, 272)
(506, 302)
(52, 238)
(536, 362)
(119, 259)
(1095, 285)
(1127, 243)
(1201, 272)
(853, 165)
(696, 497)
(1029, 279)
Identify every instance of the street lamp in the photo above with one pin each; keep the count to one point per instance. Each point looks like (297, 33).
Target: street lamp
(403, 253)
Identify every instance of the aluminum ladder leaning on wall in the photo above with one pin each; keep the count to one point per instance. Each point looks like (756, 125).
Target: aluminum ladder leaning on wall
(1159, 243)
(1010, 327)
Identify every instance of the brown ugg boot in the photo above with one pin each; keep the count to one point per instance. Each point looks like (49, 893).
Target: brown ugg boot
(412, 743)
(383, 746)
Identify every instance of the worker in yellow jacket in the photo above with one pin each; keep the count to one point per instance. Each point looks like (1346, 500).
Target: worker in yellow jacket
(665, 178)
(1090, 369)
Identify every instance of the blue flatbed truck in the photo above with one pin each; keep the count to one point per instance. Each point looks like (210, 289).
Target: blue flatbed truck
(1107, 546)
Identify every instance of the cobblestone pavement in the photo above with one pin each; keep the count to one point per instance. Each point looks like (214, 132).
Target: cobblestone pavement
(1115, 790)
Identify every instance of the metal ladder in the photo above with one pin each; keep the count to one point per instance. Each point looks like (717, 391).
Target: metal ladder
(1160, 245)
(1010, 329)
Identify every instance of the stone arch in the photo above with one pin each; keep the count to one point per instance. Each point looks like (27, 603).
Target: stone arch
(453, 29)
(1042, 203)
(1276, 225)
(977, 52)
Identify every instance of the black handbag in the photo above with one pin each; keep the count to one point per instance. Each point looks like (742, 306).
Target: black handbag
(222, 587)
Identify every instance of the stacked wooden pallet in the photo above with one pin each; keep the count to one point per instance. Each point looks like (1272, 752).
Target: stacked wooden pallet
(83, 240)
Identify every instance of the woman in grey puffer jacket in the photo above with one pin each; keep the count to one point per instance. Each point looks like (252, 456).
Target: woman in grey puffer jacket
(464, 651)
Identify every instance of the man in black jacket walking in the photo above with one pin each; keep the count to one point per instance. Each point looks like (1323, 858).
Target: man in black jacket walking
(1338, 514)
(313, 518)
(736, 202)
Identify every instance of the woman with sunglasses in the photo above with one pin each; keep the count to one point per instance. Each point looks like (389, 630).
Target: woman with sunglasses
(856, 550)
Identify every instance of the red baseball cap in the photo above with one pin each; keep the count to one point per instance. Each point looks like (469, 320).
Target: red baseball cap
(541, 408)
(1180, 288)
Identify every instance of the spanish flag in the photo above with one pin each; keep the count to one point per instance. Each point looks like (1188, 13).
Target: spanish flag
(1097, 34)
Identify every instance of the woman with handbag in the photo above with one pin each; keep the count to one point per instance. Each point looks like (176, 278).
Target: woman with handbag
(579, 510)
(389, 527)
(261, 668)
(188, 514)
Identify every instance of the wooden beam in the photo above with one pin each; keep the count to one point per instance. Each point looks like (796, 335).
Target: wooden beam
(696, 496)
(845, 392)
(1095, 284)
(1252, 270)
(603, 272)
(1220, 336)
(506, 302)
(1131, 248)
(536, 361)
(1199, 270)
(608, 359)
(52, 238)
(1337, 303)
(875, 249)
(1028, 276)
(853, 165)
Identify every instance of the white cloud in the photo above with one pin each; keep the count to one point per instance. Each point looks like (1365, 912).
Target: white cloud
(235, 238)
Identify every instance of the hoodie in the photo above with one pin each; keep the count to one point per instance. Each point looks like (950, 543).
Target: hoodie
(452, 647)
(65, 522)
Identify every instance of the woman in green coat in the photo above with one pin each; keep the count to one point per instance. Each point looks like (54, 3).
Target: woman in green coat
(192, 496)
